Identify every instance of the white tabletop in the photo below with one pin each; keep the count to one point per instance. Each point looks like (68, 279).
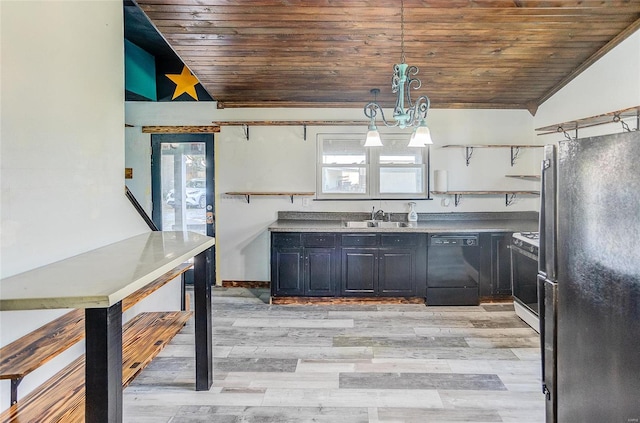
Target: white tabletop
(101, 277)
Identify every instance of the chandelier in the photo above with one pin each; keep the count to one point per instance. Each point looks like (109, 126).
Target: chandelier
(406, 113)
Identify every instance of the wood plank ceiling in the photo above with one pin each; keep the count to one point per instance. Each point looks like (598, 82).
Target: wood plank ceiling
(329, 53)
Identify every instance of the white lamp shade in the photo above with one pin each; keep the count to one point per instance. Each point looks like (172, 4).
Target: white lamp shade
(420, 137)
(373, 139)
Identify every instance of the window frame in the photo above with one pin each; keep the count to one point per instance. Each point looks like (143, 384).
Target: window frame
(373, 167)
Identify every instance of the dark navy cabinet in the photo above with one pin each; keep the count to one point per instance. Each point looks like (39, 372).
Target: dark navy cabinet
(495, 269)
(303, 264)
(348, 264)
(387, 264)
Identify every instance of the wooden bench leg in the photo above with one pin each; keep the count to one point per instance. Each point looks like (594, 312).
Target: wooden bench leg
(203, 328)
(103, 370)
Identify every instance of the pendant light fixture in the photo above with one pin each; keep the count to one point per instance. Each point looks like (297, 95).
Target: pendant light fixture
(406, 113)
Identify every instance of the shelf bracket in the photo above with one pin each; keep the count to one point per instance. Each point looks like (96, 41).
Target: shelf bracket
(248, 198)
(245, 128)
(456, 199)
(14, 389)
(304, 132)
(508, 199)
(515, 151)
(291, 197)
(468, 153)
(566, 134)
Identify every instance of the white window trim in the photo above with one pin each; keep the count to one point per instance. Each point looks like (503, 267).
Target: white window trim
(372, 170)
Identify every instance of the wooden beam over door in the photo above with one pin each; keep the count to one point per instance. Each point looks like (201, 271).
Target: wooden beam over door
(180, 129)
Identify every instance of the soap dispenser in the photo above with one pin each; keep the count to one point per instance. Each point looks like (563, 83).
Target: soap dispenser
(413, 216)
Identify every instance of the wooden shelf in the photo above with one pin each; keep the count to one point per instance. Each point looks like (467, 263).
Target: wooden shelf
(532, 177)
(304, 123)
(574, 125)
(515, 149)
(248, 194)
(508, 195)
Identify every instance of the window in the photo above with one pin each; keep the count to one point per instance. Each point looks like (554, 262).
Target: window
(348, 170)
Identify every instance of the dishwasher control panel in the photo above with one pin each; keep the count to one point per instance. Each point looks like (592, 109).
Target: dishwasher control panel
(452, 240)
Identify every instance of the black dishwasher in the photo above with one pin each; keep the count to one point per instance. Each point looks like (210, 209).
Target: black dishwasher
(453, 269)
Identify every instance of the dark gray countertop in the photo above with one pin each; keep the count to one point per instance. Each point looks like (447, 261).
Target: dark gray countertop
(427, 222)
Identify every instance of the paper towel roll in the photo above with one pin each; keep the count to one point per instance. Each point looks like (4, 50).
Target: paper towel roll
(440, 180)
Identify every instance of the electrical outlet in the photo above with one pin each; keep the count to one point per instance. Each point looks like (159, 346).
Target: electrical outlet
(305, 202)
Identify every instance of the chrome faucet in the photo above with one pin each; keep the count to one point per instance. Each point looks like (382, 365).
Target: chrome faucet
(377, 215)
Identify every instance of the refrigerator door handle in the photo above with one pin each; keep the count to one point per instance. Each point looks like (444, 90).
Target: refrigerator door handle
(547, 308)
(547, 226)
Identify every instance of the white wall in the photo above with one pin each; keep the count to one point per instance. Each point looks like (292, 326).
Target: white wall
(610, 84)
(62, 144)
(137, 156)
(278, 159)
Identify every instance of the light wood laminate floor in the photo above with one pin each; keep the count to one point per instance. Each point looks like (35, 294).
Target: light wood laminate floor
(347, 364)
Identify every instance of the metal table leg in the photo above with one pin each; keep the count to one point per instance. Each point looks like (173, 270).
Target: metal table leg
(103, 364)
(203, 328)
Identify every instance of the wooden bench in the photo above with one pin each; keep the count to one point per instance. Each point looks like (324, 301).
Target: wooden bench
(61, 398)
(26, 354)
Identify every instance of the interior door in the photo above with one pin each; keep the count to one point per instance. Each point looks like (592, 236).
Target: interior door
(182, 171)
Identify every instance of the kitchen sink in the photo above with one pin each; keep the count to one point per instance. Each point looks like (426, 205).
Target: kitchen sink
(360, 224)
(375, 224)
(392, 224)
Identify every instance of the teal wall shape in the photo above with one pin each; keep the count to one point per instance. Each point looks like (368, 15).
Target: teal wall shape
(139, 71)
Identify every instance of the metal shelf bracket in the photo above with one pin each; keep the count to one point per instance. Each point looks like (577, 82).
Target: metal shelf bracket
(515, 151)
(566, 134)
(468, 154)
(304, 132)
(456, 199)
(245, 128)
(509, 199)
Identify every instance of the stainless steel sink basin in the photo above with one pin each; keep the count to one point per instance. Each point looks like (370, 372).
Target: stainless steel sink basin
(359, 224)
(392, 224)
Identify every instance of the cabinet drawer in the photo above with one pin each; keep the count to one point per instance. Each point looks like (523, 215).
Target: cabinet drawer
(286, 240)
(319, 240)
(399, 240)
(360, 240)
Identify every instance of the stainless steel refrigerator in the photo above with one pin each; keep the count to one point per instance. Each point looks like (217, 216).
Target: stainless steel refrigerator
(589, 279)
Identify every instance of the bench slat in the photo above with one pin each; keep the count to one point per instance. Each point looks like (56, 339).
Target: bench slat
(158, 283)
(61, 398)
(36, 348)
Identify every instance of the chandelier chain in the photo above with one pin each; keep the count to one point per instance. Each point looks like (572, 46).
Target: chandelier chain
(403, 58)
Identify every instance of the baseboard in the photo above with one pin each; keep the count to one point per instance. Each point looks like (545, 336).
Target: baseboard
(346, 300)
(497, 299)
(246, 284)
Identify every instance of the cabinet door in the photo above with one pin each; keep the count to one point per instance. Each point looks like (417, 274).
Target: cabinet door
(396, 273)
(320, 270)
(359, 271)
(287, 272)
(500, 264)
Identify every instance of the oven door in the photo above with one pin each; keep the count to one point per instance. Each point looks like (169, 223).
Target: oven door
(524, 273)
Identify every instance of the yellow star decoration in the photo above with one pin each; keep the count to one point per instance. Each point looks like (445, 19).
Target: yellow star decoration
(185, 83)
